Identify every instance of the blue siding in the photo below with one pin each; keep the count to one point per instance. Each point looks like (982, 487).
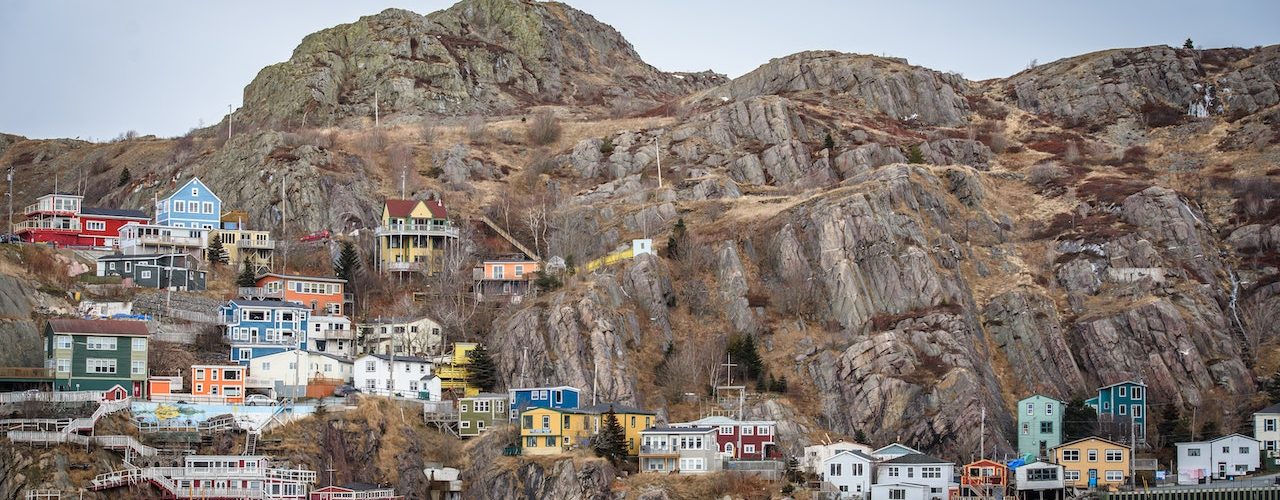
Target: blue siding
(1126, 400)
(562, 398)
(252, 334)
(192, 205)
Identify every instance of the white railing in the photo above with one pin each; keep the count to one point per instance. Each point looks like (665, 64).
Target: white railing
(418, 229)
(35, 424)
(158, 240)
(190, 398)
(258, 291)
(47, 224)
(302, 475)
(361, 495)
(337, 334)
(51, 397)
(252, 243)
(405, 266)
(118, 443)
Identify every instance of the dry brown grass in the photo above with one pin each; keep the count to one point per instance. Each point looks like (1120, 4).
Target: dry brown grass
(689, 487)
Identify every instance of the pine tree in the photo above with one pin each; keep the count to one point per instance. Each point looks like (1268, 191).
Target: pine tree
(860, 437)
(793, 470)
(914, 155)
(1167, 428)
(125, 177)
(348, 261)
(481, 371)
(217, 252)
(611, 441)
(247, 277)
(743, 350)
(1273, 388)
(1188, 44)
(1078, 420)
(829, 142)
(781, 384)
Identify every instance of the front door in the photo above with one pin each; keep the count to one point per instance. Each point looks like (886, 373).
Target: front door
(1222, 470)
(1044, 448)
(1093, 478)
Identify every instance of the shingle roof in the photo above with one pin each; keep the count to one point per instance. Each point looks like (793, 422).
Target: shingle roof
(406, 359)
(617, 408)
(268, 303)
(330, 279)
(1275, 408)
(114, 212)
(100, 327)
(403, 208)
(855, 453)
(487, 395)
(680, 430)
(916, 458)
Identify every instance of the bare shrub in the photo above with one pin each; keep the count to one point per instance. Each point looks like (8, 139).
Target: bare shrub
(1042, 175)
(508, 137)
(426, 130)
(683, 368)
(544, 129)
(1255, 196)
(1072, 153)
(477, 130)
(318, 138)
(372, 142)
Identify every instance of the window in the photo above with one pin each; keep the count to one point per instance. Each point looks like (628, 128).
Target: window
(497, 272)
(179, 206)
(64, 365)
(726, 430)
(546, 421)
(370, 366)
(199, 388)
(139, 344)
(1048, 408)
(1226, 450)
(1114, 455)
(466, 424)
(208, 207)
(413, 385)
(936, 472)
(1093, 455)
(95, 225)
(1031, 408)
(195, 191)
(911, 472)
(1137, 411)
(266, 366)
(199, 374)
(1269, 424)
(519, 270)
(1070, 455)
(97, 365)
(247, 354)
(1122, 392)
(526, 421)
(748, 448)
(897, 494)
(1193, 452)
(1071, 475)
(836, 470)
(1047, 474)
(762, 430)
(748, 430)
(1244, 450)
(128, 267)
(695, 464)
(1124, 409)
(1137, 393)
(1115, 475)
(213, 389)
(101, 343)
(1046, 427)
(893, 472)
(551, 440)
(64, 342)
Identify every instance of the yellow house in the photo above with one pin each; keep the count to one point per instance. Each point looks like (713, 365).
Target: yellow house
(633, 421)
(413, 236)
(453, 375)
(1093, 460)
(550, 431)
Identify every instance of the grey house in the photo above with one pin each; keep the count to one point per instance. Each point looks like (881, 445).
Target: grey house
(177, 270)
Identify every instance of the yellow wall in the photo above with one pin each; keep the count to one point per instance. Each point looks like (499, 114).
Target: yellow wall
(531, 425)
(1101, 465)
(633, 423)
(407, 251)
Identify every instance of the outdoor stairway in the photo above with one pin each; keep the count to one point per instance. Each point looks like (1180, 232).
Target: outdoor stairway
(250, 443)
(126, 444)
(66, 425)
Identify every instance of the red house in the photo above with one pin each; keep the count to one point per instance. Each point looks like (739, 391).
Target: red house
(742, 439)
(983, 479)
(60, 219)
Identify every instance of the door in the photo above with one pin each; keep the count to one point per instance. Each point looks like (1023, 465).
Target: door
(1222, 470)
(1044, 448)
(1093, 478)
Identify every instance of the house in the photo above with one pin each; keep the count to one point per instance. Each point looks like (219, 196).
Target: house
(983, 479)
(261, 327)
(193, 205)
(60, 218)
(562, 397)
(894, 450)
(241, 244)
(97, 354)
(1092, 462)
(505, 279)
(741, 439)
(179, 271)
(354, 491)
(849, 471)
(633, 420)
(1266, 429)
(900, 491)
(225, 381)
(480, 412)
(214, 476)
(911, 470)
(683, 450)
(413, 236)
(444, 483)
(1039, 425)
(162, 384)
(142, 239)
(453, 372)
(413, 335)
(1039, 481)
(400, 376)
(332, 335)
(1223, 458)
(294, 373)
(815, 454)
(1120, 405)
(322, 295)
(551, 431)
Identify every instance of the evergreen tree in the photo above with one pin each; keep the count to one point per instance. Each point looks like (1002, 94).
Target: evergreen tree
(348, 262)
(125, 177)
(793, 470)
(781, 384)
(676, 239)
(217, 253)
(247, 278)
(1209, 430)
(611, 441)
(829, 142)
(1078, 420)
(481, 371)
(860, 437)
(914, 155)
(1168, 426)
(1188, 44)
(742, 348)
(569, 268)
(1273, 388)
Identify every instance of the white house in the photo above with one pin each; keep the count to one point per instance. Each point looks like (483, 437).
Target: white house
(332, 335)
(403, 336)
(899, 491)
(1266, 429)
(288, 372)
(1222, 458)
(894, 450)
(1040, 480)
(915, 469)
(850, 472)
(815, 454)
(401, 376)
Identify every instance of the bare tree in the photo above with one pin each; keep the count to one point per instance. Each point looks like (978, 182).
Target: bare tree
(451, 299)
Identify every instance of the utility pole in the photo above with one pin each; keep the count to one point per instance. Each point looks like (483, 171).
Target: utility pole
(657, 152)
(982, 438)
(375, 108)
(11, 198)
(229, 122)
(404, 176)
(284, 216)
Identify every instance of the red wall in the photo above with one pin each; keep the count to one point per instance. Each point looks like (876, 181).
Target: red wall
(752, 439)
(96, 238)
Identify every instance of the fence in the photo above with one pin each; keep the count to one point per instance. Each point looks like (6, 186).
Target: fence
(48, 397)
(1200, 493)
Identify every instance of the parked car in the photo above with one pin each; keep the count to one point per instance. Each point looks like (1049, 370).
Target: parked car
(259, 400)
(10, 238)
(345, 390)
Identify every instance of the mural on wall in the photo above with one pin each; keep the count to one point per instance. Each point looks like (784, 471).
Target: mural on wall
(194, 414)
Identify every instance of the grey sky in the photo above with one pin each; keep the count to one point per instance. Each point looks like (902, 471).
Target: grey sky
(94, 69)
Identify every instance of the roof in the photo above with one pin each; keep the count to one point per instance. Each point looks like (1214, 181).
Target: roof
(301, 277)
(719, 420)
(1214, 440)
(145, 256)
(559, 410)
(904, 447)
(100, 327)
(1042, 396)
(910, 485)
(114, 212)
(403, 208)
(487, 395)
(855, 453)
(398, 321)
(188, 183)
(267, 303)
(617, 408)
(406, 359)
(679, 430)
(1275, 408)
(985, 461)
(574, 389)
(1123, 382)
(309, 352)
(228, 365)
(1064, 445)
(915, 458)
(1041, 463)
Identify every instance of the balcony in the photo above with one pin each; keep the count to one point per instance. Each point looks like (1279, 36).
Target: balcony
(25, 373)
(337, 335)
(161, 241)
(47, 206)
(658, 450)
(256, 244)
(47, 225)
(257, 292)
(404, 267)
(445, 230)
(539, 430)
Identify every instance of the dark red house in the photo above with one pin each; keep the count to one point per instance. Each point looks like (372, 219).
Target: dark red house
(742, 439)
(60, 219)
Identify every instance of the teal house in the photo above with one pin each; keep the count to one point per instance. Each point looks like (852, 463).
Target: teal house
(97, 354)
(1122, 403)
(1039, 426)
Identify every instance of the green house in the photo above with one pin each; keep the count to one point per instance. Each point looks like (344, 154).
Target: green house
(480, 412)
(97, 354)
(1039, 425)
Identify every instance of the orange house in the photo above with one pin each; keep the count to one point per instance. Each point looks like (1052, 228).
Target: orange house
(983, 479)
(225, 381)
(163, 385)
(508, 278)
(325, 296)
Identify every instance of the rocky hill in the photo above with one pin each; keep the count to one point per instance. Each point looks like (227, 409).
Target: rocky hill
(907, 247)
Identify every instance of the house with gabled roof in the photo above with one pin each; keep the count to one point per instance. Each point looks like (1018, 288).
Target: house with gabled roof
(1093, 462)
(894, 450)
(849, 472)
(1266, 429)
(632, 419)
(413, 236)
(193, 205)
(1119, 406)
(1224, 458)
(98, 354)
(914, 473)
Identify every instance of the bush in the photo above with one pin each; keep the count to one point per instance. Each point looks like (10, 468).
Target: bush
(606, 145)
(477, 130)
(544, 129)
(914, 155)
(1042, 175)
(125, 177)
(1156, 114)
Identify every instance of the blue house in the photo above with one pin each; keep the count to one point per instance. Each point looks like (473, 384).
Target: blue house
(1122, 403)
(192, 205)
(560, 398)
(260, 327)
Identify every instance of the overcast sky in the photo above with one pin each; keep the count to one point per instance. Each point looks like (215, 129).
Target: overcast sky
(94, 69)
